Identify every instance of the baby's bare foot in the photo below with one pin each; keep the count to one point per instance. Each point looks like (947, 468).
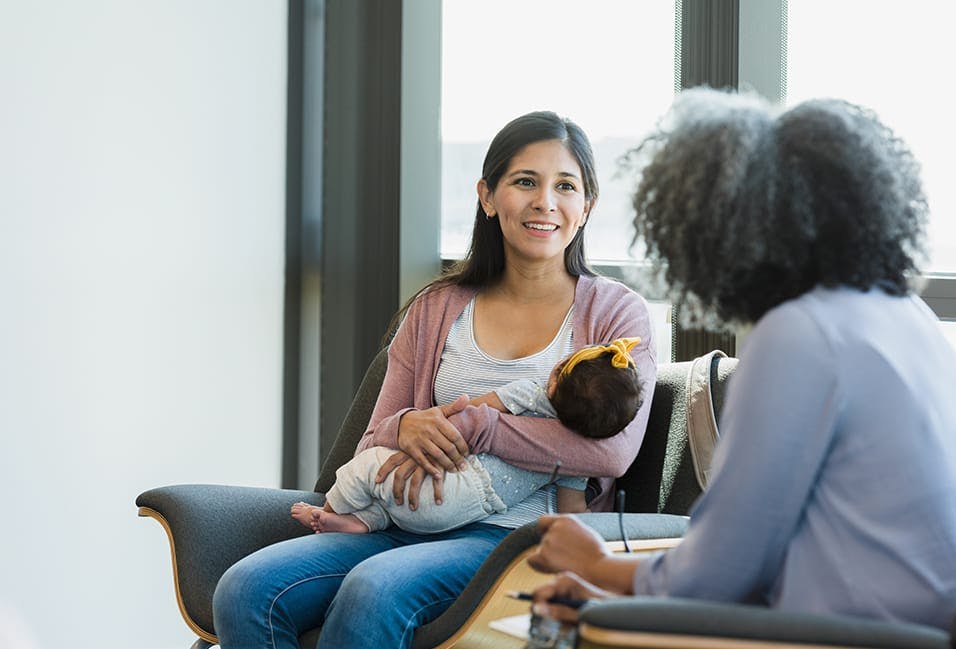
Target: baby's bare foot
(304, 512)
(323, 521)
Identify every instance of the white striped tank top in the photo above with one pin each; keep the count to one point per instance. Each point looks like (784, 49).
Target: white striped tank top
(465, 369)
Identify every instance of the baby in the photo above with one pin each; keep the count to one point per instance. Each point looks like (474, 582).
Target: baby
(595, 392)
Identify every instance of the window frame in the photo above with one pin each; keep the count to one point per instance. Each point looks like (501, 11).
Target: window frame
(756, 30)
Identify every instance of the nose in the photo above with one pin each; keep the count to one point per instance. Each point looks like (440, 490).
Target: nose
(544, 200)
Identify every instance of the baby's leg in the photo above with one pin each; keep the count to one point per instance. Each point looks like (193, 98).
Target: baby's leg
(326, 520)
(319, 519)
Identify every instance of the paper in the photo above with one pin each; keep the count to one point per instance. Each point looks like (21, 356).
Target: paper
(516, 625)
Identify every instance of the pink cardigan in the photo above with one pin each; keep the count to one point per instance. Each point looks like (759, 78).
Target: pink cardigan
(603, 310)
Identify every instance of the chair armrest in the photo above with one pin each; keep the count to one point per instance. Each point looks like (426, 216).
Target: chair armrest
(472, 600)
(678, 622)
(636, 526)
(210, 527)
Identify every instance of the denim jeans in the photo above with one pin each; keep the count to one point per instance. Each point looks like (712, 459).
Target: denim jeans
(364, 590)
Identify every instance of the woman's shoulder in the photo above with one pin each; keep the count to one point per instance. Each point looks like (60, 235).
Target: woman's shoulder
(845, 319)
(435, 300)
(599, 293)
(435, 292)
(802, 326)
(822, 314)
(605, 309)
(430, 312)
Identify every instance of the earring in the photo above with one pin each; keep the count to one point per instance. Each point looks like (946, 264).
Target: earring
(488, 216)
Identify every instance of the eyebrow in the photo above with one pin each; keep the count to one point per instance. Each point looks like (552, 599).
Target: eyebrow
(532, 172)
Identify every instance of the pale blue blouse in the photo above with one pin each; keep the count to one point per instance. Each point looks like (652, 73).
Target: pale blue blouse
(834, 480)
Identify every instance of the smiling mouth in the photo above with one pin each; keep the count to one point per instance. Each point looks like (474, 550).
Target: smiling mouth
(541, 227)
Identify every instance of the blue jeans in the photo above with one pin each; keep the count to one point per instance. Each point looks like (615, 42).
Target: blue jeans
(364, 590)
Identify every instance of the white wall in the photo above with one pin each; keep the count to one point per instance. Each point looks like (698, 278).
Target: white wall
(141, 278)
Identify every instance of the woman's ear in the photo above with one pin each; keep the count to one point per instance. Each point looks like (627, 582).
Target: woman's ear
(588, 206)
(485, 196)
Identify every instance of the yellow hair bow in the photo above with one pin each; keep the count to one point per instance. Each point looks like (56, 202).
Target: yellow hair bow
(621, 349)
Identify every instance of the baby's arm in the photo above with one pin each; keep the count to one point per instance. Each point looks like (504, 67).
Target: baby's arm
(522, 397)
(571, 501)
(491, 400)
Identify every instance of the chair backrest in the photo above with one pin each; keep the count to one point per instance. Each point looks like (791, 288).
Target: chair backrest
(356, 421)
(661, 479)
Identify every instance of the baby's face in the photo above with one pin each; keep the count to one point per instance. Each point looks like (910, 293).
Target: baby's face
(553, 378)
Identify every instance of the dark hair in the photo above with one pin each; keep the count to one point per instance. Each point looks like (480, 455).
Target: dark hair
(596, 399)
(741, 208)
(485, 261)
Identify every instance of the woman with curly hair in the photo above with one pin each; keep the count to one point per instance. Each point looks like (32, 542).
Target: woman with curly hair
(834, 482)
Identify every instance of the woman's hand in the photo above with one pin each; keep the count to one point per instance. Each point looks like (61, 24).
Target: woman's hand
(569, 586)
(431, 440)
(567, 544)
(425, 435)
(408, 472)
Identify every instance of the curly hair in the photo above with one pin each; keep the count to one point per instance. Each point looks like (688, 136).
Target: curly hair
(598, 400)
(742, 207)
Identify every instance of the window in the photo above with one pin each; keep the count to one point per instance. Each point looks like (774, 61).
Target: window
(896, 60)
(608, 66)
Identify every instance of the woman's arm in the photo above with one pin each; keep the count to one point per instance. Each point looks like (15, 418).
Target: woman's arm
(571, 501)
(588, 569)
(777, 428)
(397, 394)
(535, 443)
(403, 417)
(567, 545)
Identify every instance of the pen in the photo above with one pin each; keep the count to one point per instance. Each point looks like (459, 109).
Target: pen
(570, 602)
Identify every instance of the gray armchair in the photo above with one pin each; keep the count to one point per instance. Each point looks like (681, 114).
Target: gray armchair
(210, 527)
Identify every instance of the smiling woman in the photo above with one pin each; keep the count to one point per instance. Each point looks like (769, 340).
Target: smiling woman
(521, 300)
(540, 203)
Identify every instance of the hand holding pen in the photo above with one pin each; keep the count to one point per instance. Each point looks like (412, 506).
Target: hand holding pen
(561, 598)
(558, 600)
(567, 545)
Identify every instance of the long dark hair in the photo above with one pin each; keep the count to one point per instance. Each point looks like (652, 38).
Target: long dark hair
(485, 261)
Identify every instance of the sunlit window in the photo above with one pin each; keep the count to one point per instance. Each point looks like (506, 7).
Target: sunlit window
(895, 58)
(608, 65)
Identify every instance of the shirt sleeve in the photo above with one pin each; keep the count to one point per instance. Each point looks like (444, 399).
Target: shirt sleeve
(397, 394)
(777, 424)
(526, 397)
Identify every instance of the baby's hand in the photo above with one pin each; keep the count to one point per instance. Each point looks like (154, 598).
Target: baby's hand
(553, 378)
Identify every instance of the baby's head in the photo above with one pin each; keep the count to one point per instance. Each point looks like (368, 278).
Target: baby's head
(596, 391)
